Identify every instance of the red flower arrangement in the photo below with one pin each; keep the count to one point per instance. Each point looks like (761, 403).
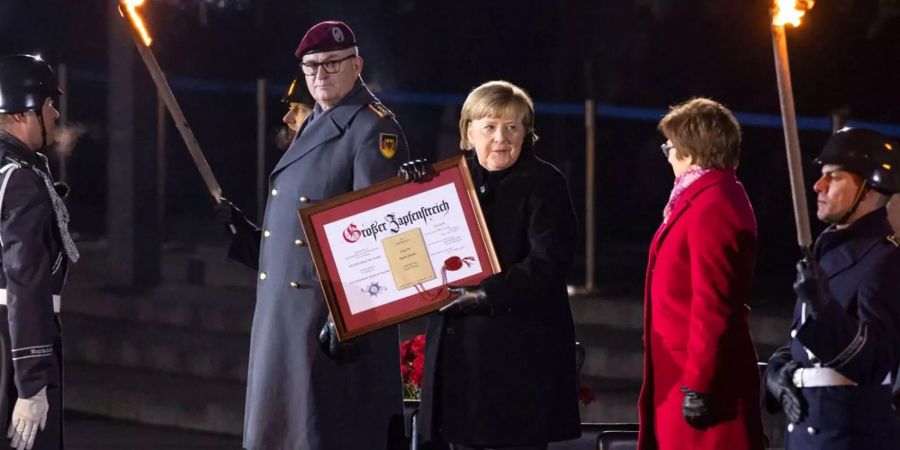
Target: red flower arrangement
(412, 363)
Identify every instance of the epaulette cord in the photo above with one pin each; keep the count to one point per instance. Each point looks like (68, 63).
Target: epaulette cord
(9, 159)
(894, 240)
(380, 109)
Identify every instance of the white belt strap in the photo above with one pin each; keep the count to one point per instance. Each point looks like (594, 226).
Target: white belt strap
(6, 171)
(820, 377)
(808, 377)
(57, 300)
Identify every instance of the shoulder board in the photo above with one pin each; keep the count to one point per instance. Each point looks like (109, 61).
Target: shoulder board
(894, 240)
(8, 163)
(9, 158)
(380, 110)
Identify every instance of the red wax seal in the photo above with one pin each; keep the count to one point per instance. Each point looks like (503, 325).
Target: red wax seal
(453, 263)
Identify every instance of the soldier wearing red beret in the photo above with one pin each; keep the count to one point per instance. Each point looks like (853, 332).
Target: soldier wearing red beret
(306, 390)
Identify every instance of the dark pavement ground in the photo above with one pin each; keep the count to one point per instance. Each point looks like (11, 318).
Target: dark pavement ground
(84, 432)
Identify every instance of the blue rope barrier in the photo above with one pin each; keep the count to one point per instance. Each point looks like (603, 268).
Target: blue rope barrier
(607, 111)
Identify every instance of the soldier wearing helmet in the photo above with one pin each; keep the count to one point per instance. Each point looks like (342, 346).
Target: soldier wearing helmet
(300, 103)
(833, 380)
(36, 250)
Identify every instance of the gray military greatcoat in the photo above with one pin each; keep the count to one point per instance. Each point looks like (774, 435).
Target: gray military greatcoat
(298, 397)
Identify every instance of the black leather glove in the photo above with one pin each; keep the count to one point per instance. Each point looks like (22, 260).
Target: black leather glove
(811, 285)
(780, 383)
(696, 408)
(342, 352)
(233, 218)
(62, 189)
(228, 214)
(469, 300)
(413, 170)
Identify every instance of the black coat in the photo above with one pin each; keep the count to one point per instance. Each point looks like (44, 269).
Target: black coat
(509, 378)
(34, 269)
(858, 334)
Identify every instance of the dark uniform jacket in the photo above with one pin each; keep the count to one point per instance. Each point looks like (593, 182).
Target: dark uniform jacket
(298, 397)
(509, 378)
(858, 334)
(34, 270)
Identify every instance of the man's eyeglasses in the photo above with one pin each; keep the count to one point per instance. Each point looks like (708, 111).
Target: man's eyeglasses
(666, 147)
(312, 68)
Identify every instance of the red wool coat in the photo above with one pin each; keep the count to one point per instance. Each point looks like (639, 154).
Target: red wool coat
(696, 321)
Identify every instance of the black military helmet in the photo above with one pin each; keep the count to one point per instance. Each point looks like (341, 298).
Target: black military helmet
(298, 93)
(25, 82)
(870, 154)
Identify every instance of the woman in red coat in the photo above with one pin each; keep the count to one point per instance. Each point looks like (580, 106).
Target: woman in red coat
(701, 382)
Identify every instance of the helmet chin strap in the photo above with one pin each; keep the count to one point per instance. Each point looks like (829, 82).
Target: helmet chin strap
(859, 193)
(40, 116)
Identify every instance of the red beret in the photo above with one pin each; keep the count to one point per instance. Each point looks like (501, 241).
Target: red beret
(325, 37)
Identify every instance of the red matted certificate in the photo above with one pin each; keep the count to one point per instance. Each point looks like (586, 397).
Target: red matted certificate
(386, 253)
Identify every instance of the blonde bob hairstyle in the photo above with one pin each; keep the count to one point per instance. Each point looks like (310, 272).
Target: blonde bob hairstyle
(493, 99)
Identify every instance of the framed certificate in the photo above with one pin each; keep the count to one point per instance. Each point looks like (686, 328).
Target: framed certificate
(386, 253)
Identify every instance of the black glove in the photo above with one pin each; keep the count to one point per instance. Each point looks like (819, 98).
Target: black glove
(342, 352)
(469, 300)
(233, 218)
(228, 214)
(62, 189)
(780, 383)
(811, 285)
(696, 409)
(413, 170)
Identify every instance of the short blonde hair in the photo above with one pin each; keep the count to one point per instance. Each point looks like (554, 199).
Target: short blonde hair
(705, 130)
(492, 99)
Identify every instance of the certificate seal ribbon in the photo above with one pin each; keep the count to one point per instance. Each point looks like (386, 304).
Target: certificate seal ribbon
(451, 264)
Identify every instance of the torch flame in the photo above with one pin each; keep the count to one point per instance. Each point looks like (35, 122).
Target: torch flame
(790, 11)
(135, 18)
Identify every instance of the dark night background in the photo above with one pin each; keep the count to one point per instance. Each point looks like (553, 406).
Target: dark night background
(633, 57)
(641, 53)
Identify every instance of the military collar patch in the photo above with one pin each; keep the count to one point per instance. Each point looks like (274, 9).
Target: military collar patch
(387, 144)
(380, 109)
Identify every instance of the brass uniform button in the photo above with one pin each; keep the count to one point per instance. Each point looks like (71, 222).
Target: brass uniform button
(299, 242)
(295, 284)
(304, 200)
(262, 275)
(274, 192)
(266, 233)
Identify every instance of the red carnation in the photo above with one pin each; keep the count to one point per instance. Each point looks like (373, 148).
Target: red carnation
(586, 395)
(412, 364)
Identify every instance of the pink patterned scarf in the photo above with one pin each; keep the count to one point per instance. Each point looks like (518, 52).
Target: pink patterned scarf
(682, 182)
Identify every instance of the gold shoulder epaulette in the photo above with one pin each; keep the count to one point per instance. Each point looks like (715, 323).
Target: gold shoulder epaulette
(894, 240)
(380, 109)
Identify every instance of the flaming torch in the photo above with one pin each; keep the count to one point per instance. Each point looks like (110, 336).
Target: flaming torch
(790, 12)
(142, 40)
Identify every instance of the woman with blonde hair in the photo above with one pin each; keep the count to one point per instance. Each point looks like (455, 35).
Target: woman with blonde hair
(500, 359)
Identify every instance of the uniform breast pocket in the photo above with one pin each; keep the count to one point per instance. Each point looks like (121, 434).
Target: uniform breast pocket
(307, 273)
